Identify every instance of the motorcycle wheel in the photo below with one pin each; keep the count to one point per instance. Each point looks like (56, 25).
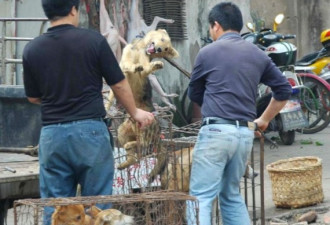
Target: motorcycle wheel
(287, 137)
(315, 102)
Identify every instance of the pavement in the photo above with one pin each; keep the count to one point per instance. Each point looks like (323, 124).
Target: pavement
(285, 152)
(298, 149)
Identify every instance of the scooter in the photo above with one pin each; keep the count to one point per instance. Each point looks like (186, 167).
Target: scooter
(283, 54)
(317, 62)
(314, 92)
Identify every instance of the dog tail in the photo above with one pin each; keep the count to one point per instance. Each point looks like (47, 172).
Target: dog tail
(160, 165)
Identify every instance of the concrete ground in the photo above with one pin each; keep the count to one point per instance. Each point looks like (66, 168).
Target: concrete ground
(298, 149)
(285, 152)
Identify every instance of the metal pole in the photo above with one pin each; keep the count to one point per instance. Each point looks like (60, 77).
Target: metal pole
(4, 77)
(253, 190)
(262, 186)
(3, 54)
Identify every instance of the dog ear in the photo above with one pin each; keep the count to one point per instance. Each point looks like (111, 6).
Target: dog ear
(93, 211)
(162, 30)
(55, 216)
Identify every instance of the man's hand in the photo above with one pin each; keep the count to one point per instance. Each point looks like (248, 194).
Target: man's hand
(261, 126)
(273, 108)
(36, 101)
(261, 123)
(143, 118)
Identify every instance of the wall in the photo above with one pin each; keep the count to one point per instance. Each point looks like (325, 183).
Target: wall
(305, 18)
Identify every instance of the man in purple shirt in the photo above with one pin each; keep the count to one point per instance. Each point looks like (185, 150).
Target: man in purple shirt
(224, 83)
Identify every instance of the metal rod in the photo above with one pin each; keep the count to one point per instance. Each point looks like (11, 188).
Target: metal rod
(253, 190)
(10, 169)
(18, 39)
(3, 55)
(35, 215)
(28, 150)
(22, 19)
(15, 213)
(4, 77)
(246, 191)
(173, 63)
(16, 61)
(262, 185)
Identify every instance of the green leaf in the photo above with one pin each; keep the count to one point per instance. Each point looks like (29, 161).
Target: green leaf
(317, 143)
(306, 142)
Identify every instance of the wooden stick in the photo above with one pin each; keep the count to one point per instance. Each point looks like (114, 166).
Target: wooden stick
(173, 63)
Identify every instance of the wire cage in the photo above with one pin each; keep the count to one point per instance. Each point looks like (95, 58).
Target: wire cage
(149, 155)
(177, 171)
(152, 208)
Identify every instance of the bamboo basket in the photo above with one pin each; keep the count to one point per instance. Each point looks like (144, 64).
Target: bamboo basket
(296, 182)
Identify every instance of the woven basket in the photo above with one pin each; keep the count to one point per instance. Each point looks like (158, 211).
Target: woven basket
(296, 182)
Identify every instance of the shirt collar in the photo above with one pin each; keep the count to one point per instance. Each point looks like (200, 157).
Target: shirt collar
(60, 27)
(229, 35)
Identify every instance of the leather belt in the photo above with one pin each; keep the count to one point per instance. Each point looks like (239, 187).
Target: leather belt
(250, 125)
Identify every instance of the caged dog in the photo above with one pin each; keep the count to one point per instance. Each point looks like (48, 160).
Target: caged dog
(71, 215)
(137, 64)
(176, 174)
(110, 217)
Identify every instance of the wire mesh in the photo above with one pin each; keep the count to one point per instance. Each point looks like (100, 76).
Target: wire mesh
(150, 156)
(156, 208)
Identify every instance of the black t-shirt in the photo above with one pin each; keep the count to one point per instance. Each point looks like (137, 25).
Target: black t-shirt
(64, 67)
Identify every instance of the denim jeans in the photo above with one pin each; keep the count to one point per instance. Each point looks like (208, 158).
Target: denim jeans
(219, 161)
(72, 153)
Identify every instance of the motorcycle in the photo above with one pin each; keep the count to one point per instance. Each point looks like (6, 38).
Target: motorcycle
(312, 91)
(317, 62)
(283, 54)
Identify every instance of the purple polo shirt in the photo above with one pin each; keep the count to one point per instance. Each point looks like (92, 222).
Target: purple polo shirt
(226, 75)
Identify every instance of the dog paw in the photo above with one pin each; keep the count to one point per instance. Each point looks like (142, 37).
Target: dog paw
(158, 65)
(139, 69)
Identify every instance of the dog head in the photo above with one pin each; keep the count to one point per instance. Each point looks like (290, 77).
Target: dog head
(158, 44)
(110, 217)
(70, 215)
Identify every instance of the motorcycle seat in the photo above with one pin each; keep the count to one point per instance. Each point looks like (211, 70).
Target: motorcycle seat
(311, 58)
(308, 59)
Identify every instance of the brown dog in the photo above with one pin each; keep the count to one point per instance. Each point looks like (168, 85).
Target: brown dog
(71, 215)
(137, 64)
(110, 217)
(177, 174)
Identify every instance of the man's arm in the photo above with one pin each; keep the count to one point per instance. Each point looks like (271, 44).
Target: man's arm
(34, 100)
(281, 92)
(196, 86)
(273, 108)
(123, 94)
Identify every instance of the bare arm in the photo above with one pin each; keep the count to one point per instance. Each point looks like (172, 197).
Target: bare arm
(123, 94)
(271, 111)
(34, 100)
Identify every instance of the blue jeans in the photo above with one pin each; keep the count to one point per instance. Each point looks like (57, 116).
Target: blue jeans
(219, 161)
(72, 153)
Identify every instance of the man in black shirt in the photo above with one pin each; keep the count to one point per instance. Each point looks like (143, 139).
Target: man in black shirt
(63, 71)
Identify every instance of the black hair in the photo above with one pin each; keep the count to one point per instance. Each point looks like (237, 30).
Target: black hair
(228, 15)
(55, 9)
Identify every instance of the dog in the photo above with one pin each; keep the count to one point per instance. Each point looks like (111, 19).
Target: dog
(137, 65)
(110, 217)
(71, 215)
(176, 174)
